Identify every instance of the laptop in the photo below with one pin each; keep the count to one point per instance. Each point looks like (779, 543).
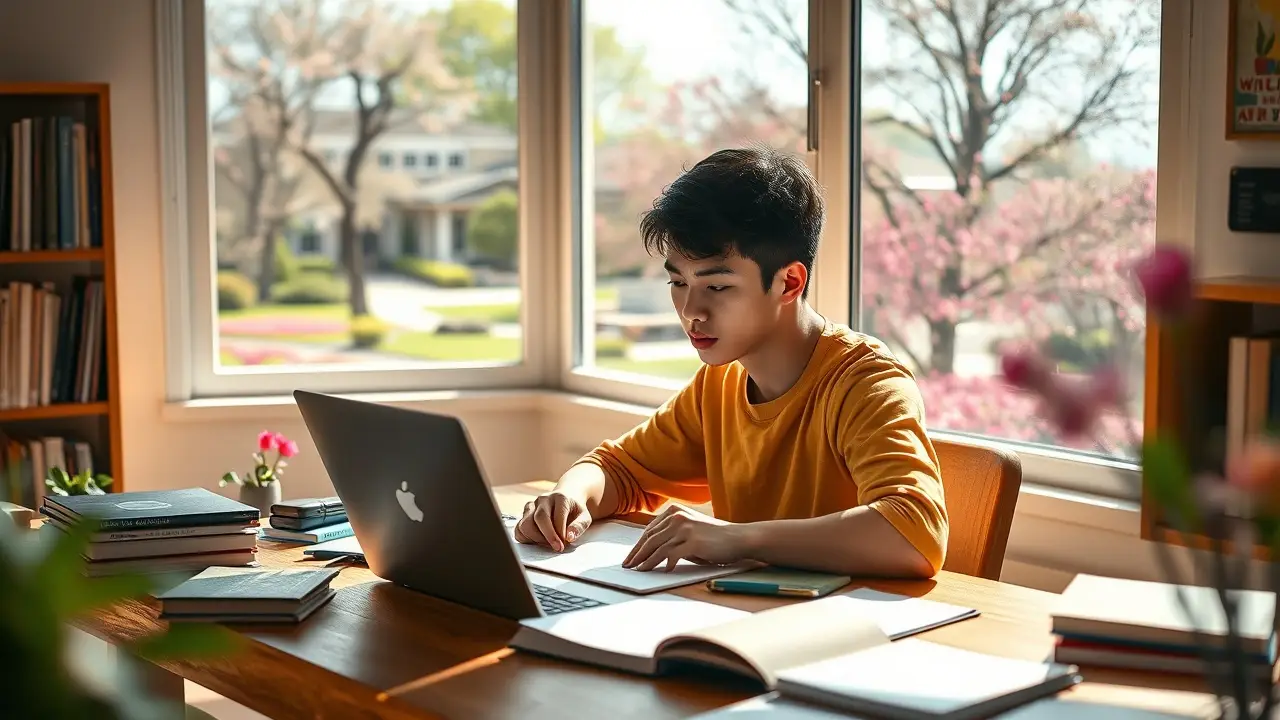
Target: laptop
(422, 511)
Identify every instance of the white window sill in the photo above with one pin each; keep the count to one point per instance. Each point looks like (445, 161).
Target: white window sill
(277, 407)
(1038, 498)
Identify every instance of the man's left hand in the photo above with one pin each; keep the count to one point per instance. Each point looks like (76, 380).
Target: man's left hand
(680, 533)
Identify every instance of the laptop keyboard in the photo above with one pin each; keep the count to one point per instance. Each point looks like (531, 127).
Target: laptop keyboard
(554, 601)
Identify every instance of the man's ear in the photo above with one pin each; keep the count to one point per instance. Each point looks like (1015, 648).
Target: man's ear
(793, 277)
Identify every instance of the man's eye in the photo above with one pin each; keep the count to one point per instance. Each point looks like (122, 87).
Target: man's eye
(717, 288)
(675, 283)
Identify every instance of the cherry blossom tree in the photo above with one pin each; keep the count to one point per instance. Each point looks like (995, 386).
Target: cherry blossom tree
(265, 113)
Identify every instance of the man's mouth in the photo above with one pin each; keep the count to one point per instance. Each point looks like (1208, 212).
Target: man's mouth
(700, 341)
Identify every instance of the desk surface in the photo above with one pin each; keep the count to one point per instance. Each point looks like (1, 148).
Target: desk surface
(379, 650)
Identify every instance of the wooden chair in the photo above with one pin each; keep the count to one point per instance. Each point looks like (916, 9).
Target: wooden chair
(981, 486)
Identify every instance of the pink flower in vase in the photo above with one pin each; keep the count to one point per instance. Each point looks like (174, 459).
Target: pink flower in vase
(267, 440)
(287, 447)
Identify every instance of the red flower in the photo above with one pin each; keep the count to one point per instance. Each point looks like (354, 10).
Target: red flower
(266, 440)
(1165, 279)
(287, 448)
(1025, 370)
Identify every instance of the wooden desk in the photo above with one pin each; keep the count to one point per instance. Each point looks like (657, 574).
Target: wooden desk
(379, 650)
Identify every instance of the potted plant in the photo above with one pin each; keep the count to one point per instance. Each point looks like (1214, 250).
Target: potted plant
(261, 486)
(82, 483)
(1196, 493)
(43, 589)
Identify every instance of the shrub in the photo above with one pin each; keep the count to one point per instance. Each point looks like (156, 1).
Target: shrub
(367, 331)
(286, 262)
(235, 291)
(614, 347)
(317, 264)
(493, 228)
(310, 289)
(440, 274)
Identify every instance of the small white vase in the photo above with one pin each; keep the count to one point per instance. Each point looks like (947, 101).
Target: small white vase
(261, 497)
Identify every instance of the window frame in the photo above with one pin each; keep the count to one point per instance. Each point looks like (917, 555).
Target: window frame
(833, 30)
(189, 256)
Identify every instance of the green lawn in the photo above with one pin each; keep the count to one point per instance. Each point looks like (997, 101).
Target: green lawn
(677, 369)
(334, 310)
(453, 348)
(505, 313)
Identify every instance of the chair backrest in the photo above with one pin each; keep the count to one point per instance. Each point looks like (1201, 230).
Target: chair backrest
(981, 487)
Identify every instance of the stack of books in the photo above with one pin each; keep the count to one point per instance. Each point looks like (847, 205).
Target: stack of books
(308, 520)
(248, 595)
(1139, 625)
(158, 531)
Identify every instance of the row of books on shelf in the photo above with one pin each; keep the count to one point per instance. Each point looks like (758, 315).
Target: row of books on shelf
(25, 464)
(52, 348)
(50, 185)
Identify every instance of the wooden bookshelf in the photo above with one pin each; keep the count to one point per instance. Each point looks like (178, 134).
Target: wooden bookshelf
(66, 246)
(1186, 393)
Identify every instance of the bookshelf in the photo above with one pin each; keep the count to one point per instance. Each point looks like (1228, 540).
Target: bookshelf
(1188, 395)
(59, 368)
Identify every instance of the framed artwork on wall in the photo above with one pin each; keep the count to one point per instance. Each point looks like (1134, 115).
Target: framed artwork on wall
(1253, 70)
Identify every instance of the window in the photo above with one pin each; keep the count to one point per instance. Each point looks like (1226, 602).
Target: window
(455, 160)
(1008, 170)
(409, 160)
(432, 160)
(378, 308)
(655, 96)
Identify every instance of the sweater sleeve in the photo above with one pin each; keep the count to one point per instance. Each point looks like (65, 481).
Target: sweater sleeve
(661, 458)
(880, 431)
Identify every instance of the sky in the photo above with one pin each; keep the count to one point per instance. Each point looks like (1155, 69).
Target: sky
(689, 39)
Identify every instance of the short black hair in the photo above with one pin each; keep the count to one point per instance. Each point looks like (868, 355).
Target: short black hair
(758, 202)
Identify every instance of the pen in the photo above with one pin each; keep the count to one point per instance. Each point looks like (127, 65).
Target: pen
(759, 589)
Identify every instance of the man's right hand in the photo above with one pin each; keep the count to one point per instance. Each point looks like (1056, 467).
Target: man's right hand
(554, 519)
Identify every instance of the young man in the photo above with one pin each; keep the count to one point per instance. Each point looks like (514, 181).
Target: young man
(807, 438)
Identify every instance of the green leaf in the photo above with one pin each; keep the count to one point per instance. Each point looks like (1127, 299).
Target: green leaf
(229, 478)
(186, 640)
(96, 593)
(59, 576)
(1165, 472)
(104, 481)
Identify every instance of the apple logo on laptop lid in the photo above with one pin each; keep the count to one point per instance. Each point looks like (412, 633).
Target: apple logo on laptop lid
(408, 503)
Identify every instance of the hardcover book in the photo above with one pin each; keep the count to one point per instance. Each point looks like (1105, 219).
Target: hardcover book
(153, 508)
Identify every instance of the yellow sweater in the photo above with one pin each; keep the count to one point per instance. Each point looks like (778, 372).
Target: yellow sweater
(850, 432)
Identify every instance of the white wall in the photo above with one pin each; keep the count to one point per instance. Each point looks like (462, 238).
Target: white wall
(91, 40)
(114, 42)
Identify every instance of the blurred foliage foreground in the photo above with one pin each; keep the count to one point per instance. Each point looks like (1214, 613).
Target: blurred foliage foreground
(43, 589)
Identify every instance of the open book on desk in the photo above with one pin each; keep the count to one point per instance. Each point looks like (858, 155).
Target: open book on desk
(647, 634)
(597, 557)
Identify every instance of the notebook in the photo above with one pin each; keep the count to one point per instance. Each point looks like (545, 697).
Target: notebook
(225, 594)
(1147, 614)
(645, 635)
(597, 557)
(771, 706)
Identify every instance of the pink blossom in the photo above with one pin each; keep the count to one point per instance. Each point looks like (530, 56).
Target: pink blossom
(287, 447)
(266, 441)
(1164, 276)
(1024, 369)
(1257, 469)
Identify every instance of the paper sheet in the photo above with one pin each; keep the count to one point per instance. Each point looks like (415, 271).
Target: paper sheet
(597, 557)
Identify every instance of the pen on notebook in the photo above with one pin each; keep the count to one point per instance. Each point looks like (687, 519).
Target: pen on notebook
(729, 586)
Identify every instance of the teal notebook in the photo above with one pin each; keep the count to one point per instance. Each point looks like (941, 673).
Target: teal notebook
(779, 581)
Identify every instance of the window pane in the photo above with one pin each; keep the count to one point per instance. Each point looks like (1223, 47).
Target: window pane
(1008, 177)
(335, 242)
(659, 95)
